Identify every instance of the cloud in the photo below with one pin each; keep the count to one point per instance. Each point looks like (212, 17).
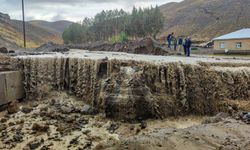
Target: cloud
(74, 10)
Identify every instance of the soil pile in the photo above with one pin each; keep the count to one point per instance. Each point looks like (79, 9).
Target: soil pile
(52, 47)
(131, 90)
(144, 46)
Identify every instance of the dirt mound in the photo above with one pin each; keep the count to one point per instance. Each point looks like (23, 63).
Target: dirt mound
(144, 46)
(52, 47)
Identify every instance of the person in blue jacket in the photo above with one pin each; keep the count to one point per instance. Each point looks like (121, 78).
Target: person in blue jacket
(187, 46)
(169, 39)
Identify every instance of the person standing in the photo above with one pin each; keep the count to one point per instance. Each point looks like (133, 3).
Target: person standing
(179, 43)
(188, 44)
(174, 43)
(169, 39)
(184, 45)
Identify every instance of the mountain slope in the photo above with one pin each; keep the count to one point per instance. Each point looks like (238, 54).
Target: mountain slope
(57, 26)
(205, 19)
(11, 34)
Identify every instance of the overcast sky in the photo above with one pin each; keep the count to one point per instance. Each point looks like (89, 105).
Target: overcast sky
(73, 10)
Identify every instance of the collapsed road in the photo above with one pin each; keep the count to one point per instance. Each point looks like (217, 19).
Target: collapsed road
(121, 92)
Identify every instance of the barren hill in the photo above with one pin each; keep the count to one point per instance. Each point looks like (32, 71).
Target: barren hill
(11, 33)
(205, 19)
(57, 26)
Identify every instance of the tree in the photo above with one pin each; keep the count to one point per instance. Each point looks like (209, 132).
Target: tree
(107, 25)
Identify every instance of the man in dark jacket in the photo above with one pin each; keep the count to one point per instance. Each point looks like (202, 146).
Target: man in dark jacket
(187, 46)
(169, 39)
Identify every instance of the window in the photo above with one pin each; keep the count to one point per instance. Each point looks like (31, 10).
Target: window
(222, 45)
(238, 45)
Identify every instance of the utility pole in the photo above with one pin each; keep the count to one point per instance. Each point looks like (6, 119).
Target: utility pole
(24, 32)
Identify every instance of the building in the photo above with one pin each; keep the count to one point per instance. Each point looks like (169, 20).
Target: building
(237, 42)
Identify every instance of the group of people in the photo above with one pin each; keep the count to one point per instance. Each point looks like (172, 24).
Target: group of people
(179, 43)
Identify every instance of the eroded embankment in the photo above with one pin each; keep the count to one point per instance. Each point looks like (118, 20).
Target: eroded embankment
(136, 90)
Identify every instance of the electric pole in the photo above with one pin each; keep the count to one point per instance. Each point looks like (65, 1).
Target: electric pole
(24, 32)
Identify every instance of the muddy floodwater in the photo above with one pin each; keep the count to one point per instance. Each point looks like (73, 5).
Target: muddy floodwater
(60, 121)
(108, 100)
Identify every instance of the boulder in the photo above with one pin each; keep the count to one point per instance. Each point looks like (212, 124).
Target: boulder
(26, 109)
(3, 50)
(88, 110)
(40, 127)
(13, 107)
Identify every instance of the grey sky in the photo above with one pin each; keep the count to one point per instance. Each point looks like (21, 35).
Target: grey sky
(74, 10)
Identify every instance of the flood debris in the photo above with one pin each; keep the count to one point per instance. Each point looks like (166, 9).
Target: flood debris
(142, 46)
(52, 47)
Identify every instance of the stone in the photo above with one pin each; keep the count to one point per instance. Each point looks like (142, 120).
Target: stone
(66, 110)
(26, 109)
(2, 127)
(52, 102)
(35, 143)
(13, 107)
(86, 131)
(74, 141)
(3, 120)
(11, 51)
(70, 119)
(40, 127)
(3, 50)
(112, 127)
(143, 125)
(88, 110)
(87, 144)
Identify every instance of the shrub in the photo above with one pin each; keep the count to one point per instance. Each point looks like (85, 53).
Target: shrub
(194, 48)
(121, 38)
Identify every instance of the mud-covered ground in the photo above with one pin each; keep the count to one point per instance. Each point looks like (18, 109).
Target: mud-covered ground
(59, 121)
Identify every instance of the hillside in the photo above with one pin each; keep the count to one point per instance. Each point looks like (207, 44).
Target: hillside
(57, 26)
(205, 19)
(11, 34)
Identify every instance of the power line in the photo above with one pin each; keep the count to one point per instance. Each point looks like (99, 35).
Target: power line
(24, 32)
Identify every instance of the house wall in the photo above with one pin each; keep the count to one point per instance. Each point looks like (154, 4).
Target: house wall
(231, 44)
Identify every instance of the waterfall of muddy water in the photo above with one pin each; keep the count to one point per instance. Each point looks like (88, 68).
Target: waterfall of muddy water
(132, 89)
